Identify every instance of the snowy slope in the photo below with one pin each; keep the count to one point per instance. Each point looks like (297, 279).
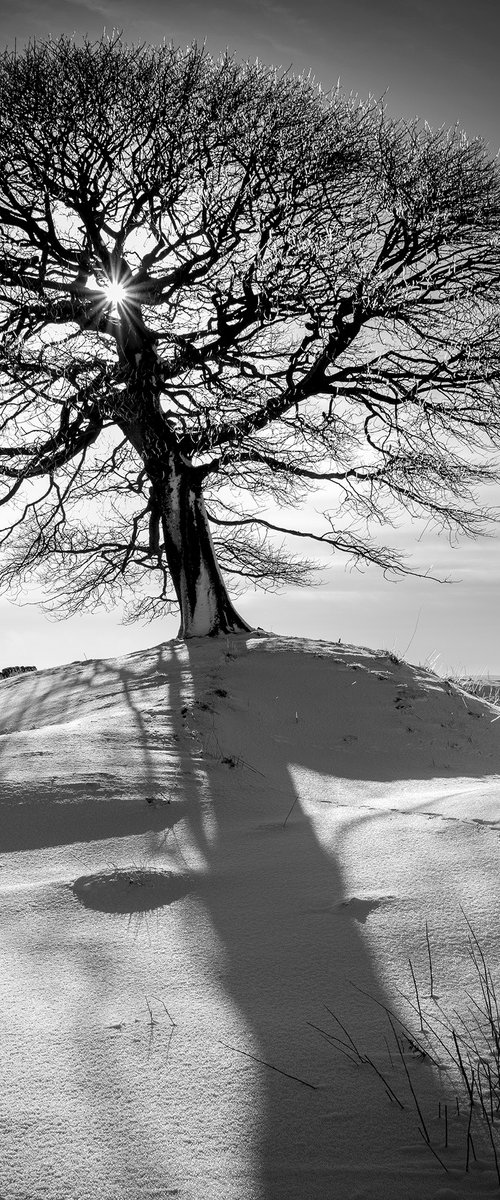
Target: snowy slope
(206, 850)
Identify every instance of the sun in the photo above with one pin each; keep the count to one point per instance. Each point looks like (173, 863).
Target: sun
(115, 293)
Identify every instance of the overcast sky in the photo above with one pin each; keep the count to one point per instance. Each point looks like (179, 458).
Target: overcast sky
(436, 59)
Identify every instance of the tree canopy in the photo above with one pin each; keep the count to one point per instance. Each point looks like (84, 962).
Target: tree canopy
(220, 289)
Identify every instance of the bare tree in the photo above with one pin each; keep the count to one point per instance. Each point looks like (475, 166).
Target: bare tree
(220, 288)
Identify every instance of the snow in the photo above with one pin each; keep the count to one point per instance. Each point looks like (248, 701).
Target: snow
(203, 848)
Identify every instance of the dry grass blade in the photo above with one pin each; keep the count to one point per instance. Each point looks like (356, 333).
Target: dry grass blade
(263, 1063)
(433, 1151)
(387, 1085)
(411, 1036)
(431, 973)
(337, 1043)
(410, 1084)
(344, 1030)
(417, 995)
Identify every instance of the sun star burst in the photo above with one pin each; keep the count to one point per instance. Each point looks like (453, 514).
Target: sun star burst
(115, 293)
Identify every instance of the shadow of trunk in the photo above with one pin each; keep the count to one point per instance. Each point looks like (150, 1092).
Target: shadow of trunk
(276, 898)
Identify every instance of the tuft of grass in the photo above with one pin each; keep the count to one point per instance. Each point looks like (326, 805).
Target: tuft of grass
(463, 1046)
(478, 685)
(393, 657)
(471, 1041)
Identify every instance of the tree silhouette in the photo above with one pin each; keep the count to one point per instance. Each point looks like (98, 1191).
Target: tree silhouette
(220, 289)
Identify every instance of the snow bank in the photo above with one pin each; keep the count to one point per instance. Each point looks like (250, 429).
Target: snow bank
(209, 855)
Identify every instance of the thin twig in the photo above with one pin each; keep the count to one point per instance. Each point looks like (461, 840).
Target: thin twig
(346, 1031)
(405, 652)
(431, 1027)
(430, 958)
(336, 1043)
(170, 1036)
(471, 1106)
(463, 1071)
(417, 995)
(490, 1089)
(384, 1081)
(186, 864)
(389, 1012)
(150, 1011)
(492, 1140)
(412, 1090)
(290, 812)
(432, 1150)
(263, 1063)
(162, 1002)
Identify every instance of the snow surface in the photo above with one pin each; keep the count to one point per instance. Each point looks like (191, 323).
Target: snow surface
(204, 848)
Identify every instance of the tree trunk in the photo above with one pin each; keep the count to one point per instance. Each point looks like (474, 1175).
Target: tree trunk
(206, 609)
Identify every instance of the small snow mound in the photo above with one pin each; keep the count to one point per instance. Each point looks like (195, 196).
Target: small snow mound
(139, 889)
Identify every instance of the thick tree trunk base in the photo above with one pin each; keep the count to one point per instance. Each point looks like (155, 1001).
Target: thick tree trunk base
(210, 617)
(239, 629)
(206, 609)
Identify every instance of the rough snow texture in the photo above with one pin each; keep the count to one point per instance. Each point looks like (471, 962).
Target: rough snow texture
(203, 846)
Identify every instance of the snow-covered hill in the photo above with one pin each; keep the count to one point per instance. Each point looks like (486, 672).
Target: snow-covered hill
(209, 854)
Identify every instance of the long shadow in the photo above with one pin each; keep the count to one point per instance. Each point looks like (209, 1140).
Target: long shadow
(274, 893)
(278, 903)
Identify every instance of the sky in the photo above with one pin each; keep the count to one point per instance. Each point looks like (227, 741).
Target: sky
(435, 59)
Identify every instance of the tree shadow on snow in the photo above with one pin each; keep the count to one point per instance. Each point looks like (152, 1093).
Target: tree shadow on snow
(67, 784)
(290, 932)
(273, 893)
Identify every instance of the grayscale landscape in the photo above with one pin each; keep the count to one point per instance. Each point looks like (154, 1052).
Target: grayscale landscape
(249, 381)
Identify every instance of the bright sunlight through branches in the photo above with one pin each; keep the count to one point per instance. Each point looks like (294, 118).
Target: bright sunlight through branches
(115, 293)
